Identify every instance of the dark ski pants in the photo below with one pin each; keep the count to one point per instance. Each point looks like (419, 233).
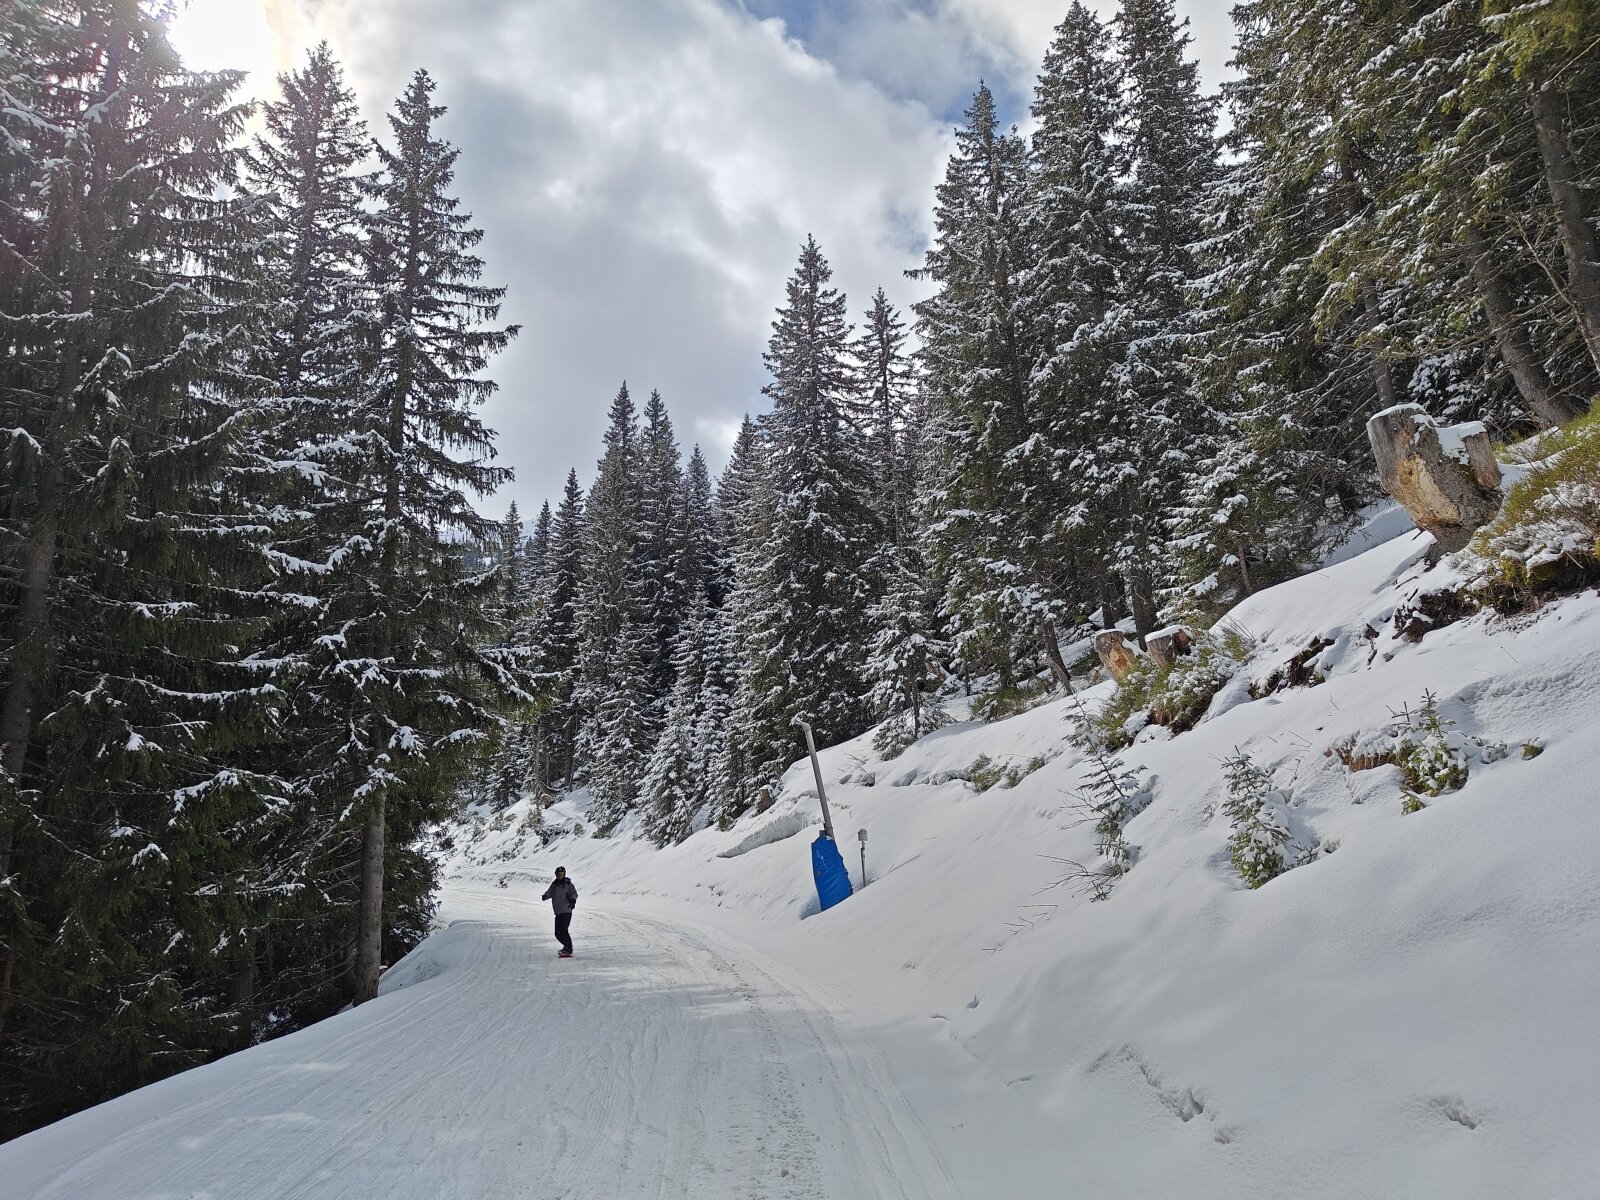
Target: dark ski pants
(563, 923)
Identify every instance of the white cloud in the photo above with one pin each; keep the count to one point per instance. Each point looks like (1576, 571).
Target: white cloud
(645, 174)
(646, 169)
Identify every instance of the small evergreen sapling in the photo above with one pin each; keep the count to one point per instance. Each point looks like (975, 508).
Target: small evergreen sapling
(1259, 845)
(1110, 798)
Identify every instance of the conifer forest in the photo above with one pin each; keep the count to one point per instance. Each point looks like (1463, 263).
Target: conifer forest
(264, 624)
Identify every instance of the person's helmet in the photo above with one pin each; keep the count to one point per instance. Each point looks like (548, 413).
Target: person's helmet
(561, 870)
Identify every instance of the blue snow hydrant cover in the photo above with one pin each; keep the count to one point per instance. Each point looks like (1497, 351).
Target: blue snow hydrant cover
(827, 864)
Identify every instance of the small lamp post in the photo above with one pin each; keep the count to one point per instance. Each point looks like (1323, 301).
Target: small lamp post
(862, 834)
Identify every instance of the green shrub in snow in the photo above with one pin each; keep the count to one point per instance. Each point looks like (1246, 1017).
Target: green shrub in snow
(1430, 752)
(1021, 697)
(986, 773)
(1109, 799)
(1175, 696)
(1259, 845)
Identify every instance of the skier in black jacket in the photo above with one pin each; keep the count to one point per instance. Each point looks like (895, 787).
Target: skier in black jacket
(563, 897)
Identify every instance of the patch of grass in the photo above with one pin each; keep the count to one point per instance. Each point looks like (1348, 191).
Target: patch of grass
(986, 773)
(1547, 533)
(1411, 804)
(1012, 701)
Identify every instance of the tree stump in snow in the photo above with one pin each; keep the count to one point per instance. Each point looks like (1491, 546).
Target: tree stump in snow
(1447, 478)
(1166, 646)
(1117, 656)
(764, 800)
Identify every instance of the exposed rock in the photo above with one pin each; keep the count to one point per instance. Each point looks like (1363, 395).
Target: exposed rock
(1447, 479)
(1115, 654)
(1297, 672)
(1432, 610)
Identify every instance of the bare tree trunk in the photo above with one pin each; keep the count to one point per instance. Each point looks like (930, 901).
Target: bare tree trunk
(369, 926)
(1142, 599)
(1113, 601)
(1052, 652)
(1244, 568)
(1511, 337)
(1577, 236)
(242, 990)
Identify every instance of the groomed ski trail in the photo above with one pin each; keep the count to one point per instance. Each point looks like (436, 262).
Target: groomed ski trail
(652, 1065)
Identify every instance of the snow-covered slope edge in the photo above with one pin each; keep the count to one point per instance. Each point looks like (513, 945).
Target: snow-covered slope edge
(1411, 1014)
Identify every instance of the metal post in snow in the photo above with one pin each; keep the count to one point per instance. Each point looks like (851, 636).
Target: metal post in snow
(816, 771)
(862, 834)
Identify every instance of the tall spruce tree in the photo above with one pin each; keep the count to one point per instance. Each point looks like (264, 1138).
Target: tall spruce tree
(1292, 464)
(134, 569)
(742, 513)
(309, 170)
(1164, 423)
(698, 552)
(1078, 214)
(412, 670)
(553, 642)
(984, 476)
(659, 557)
(888, 375)
(612, 690)
(812, 582)
(675, 788)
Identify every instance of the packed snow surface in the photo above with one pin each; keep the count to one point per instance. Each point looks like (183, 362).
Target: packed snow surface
(1410, 1013)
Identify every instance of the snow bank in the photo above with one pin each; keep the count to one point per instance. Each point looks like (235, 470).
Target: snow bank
(785, 826)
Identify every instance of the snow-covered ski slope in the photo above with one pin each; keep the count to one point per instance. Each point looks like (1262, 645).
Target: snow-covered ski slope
(1413, 1014)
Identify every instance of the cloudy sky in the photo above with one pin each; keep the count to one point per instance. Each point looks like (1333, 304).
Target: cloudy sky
(645, 170)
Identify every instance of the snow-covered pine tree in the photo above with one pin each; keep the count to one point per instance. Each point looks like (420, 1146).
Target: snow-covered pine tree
(416, 668)
(509, 555)
(906, 655)
(133, 566)
(553, 641)
(612, 689)
(659, 556)
(675, 789)
(309, 171)
(1077, 216)
(1463, 176)
(502, 774)
(742, 512)
(697, 549)
(811, 582)
(717, 763)
(888, 374)
(983, 479)
(734, 509)
(1292, 465)
(1544, 64)
(1165, 423)
(535, 554)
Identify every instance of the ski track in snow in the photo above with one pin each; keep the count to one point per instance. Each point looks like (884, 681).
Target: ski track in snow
(653, 1065)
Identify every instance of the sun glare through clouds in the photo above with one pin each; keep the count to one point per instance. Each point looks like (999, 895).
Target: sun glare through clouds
(228, 34)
